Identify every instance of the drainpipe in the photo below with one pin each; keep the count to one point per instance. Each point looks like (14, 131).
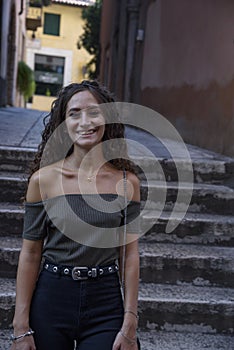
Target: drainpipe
(139, 51)
(21, 7)
(133, 12)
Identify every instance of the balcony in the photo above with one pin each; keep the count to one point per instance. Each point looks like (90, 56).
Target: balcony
(33, 18)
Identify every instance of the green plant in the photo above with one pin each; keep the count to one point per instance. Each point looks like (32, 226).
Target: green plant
(48, 92)
(25, 81)
(90, 38)
(39, 3)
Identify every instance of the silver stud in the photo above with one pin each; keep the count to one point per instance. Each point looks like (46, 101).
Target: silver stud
(66, 271)
(110, 269)
(94, 272)
(101, 271)
(46, 266)
(55, 269)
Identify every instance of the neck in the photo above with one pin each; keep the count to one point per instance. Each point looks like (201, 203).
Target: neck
(87, 160)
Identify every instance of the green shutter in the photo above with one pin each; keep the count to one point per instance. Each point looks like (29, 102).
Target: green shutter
(51, 24)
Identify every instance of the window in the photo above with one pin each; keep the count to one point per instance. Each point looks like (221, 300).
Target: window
(51, 24)
(49, 71)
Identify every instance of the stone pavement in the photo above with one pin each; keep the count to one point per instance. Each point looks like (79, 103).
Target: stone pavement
(20, 127)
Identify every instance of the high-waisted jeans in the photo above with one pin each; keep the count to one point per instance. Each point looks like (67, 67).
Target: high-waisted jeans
(64, 312)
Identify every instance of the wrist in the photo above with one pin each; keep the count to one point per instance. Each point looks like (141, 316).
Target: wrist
(129, 328)
(132, 314)
(20, 328)
(130, 321)
(15, 337)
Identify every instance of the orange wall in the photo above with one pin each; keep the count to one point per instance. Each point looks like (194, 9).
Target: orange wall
(188, 69)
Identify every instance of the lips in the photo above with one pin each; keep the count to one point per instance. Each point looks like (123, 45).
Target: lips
(87, 132)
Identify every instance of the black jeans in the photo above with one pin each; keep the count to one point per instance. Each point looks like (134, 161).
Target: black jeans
(63, 311)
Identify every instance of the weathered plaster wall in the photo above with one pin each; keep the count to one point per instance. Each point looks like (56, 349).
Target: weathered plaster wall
(188, 69)
(107, 20)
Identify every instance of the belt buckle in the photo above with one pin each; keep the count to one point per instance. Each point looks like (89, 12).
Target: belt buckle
(76, 271)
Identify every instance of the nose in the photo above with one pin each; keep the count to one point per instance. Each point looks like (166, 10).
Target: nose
(84, 120)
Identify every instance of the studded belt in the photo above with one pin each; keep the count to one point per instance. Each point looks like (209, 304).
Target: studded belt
(81, 272)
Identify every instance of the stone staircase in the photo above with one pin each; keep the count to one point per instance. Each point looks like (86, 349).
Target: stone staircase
(186, 298)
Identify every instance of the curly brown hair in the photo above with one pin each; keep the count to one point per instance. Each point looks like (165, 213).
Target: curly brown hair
(114, 129)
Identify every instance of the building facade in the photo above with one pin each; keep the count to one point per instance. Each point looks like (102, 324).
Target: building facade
(12, 48)
(175, 57)
(52, 48)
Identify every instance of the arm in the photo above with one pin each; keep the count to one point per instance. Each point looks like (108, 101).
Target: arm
(28, 268)
(27, 274)
(131, 279)
(131, 289)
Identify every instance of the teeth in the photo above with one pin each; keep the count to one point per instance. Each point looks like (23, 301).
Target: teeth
(87, 132)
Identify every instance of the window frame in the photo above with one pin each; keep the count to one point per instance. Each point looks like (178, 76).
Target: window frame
(47, 21)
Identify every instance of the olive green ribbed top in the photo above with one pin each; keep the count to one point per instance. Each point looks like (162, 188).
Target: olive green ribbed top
(80, 230)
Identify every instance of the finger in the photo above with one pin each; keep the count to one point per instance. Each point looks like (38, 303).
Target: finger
(116, 345)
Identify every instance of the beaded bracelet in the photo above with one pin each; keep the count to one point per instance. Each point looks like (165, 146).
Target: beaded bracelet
(14, 338)
(130, 340)
(131, 312)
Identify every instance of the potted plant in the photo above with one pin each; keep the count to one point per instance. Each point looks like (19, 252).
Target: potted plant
(39, 3)
(25, 81)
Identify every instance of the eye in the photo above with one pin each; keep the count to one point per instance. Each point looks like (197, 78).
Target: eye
(74, 115)
(93, 112)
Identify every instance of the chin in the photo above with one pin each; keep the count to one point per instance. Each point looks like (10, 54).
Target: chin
(87, 144)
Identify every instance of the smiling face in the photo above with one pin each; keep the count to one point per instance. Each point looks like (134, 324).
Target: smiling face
(84, 120)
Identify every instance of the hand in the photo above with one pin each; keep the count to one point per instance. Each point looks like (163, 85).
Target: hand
(26, 343)
(121, 343)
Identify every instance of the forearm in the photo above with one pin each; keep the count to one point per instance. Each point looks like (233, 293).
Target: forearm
(131, 283)
(131, 290)
(28, 268)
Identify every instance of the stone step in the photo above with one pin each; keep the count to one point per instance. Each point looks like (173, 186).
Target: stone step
(9, 255)
(192, 264)
(16, 159)
(209, 168)
(12, 188)
(151, 340)
(11, 219)
(159, 340)
(7, 302)
(194, 228)
(186, 307)
(202, 198)
(160, 263)
(162, 307)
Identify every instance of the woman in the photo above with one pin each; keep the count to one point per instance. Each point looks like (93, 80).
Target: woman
(79, 173)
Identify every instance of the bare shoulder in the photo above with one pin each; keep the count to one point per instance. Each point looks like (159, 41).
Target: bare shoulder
(133, 179)
(135, 182)
(39, 182)
(33, 192)
(133, 187)
(130, 176)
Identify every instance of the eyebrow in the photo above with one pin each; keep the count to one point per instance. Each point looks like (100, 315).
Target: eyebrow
(76, 109)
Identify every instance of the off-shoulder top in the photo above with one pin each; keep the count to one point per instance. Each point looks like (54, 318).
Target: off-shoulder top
(80, 230)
